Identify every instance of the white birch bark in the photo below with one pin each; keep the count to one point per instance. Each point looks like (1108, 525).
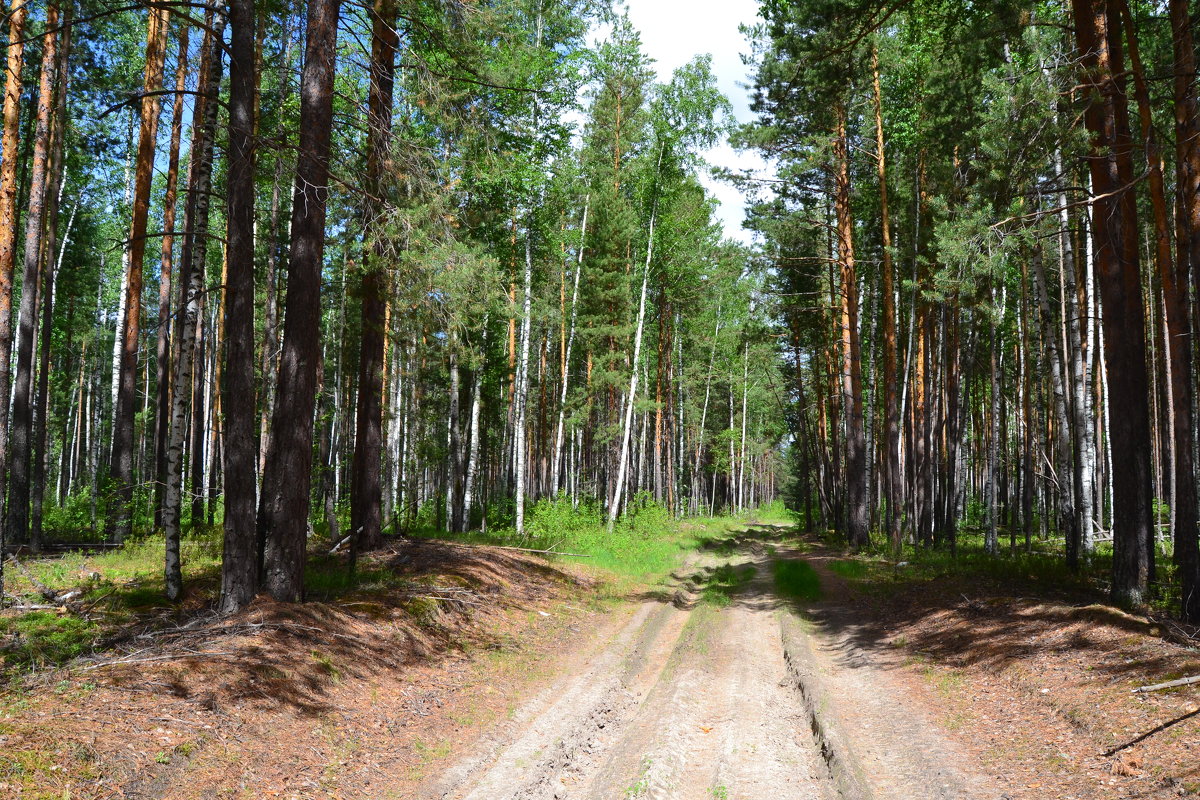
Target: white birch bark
(556, 469)
(742, 460)
(614, 510)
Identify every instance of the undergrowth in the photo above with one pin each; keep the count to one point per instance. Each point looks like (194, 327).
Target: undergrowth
(796, 580)
(719, 584)
(116, 587)
(644, 545)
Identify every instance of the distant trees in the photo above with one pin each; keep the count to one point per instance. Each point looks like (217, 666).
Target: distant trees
(1028, 366)
(495, 316)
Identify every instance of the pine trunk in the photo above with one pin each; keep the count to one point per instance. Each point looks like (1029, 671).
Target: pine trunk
(288, 475)
(166, 324)
(1114, 229)
(856, 457)
(239, 570)
(1183, 334)
(22, 416)
(121, 464)
(366, 487)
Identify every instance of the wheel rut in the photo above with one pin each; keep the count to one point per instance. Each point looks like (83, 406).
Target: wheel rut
(696, 699)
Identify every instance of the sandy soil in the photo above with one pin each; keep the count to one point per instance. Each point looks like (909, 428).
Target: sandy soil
(695, 700)
(518, 685)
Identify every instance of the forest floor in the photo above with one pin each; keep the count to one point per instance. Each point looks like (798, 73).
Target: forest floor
(765, 666)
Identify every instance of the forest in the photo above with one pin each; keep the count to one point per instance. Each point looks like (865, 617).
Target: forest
(359, 270)
(985, 233)
(486, 399)
(350, 272)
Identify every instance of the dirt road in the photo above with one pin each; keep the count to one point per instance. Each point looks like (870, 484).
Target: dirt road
(722, 690)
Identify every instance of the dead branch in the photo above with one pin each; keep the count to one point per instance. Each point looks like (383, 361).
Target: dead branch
(42, 588)
(1168, 685)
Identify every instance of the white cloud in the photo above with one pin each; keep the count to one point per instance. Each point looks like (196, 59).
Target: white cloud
(675, 31)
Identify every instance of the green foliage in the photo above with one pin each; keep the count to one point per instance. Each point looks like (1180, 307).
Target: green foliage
(71, 522)
(855, 570)
(719, 584)
(796, 580)
(45, 638)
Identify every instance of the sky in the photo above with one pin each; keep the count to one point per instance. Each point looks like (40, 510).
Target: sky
(673, 31)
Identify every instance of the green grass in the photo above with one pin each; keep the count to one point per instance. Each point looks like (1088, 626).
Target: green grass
(642, 547)
(719, 584)
(855, 570)
(41, 638)
(797, 580)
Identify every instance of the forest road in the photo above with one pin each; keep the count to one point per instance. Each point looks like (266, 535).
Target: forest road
(720, 690)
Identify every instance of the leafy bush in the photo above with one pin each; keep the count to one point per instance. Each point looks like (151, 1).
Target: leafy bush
(71, 522)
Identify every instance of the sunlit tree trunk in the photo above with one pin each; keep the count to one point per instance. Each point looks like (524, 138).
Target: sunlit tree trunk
(890, 472)
(856, 457)
(614, 509)
(8, 224)
(22, 418)
(191, 276)
(162, 416)
(556, 468)
(50, 271)
(121, 464)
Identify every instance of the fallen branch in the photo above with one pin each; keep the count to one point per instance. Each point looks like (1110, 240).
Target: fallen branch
(1168, 685)
(1158, 729)
(550, 551)
(509, 547)
(42, 588)
(172, 657)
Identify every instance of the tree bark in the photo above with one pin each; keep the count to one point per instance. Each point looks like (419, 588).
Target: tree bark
(239, 568)
(1114, 228)
(288, 475)
(366, 488)
(162, 414)
(191, 260)
(556, 469)
(50, 270)
(614, 509)
(1187, 176)
(8, 233)
(22, 416)
(121, 464)
(856, 456)
(891, 414)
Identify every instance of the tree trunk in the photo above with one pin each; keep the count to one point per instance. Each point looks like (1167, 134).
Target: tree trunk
(50, 270)
(891, 415)
(454, 459)
(856, 457)
(162, 414)
(239, 570)
(191, 260)
(521, 400)
(473, 451)
(8, 231)
(1114, 228)
(121, 464)
(1187, 161)
(22, 418)
(366, 488)
(556, 469)
(288, 475)
(614, 508)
